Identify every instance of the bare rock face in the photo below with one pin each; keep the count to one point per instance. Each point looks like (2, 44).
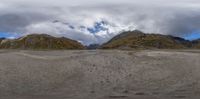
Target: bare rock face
(40, 41)
(137, 39)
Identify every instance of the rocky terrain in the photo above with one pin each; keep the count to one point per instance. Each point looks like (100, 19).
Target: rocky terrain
(100, 74)
(40, 41)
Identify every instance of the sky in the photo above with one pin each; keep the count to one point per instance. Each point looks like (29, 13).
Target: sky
(97, 21)
(192, 36)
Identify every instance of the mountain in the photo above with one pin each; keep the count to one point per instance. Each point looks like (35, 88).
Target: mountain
(40, 41)
(196, 44)
(93, 46)
(138, 39)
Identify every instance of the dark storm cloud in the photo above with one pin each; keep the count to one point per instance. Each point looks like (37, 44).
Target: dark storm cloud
(175, 17)
(15, 22)
(184, 23)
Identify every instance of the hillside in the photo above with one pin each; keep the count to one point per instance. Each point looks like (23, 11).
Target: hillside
(196, 44)
(40, 41)
(138, 39)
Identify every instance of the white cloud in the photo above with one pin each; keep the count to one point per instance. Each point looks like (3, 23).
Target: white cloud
(72, 18)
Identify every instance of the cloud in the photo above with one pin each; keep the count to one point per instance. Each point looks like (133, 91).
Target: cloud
(90, 21)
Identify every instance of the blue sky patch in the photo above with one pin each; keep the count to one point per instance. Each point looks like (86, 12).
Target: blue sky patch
(192, 36)
(98, 26)
(8, 35)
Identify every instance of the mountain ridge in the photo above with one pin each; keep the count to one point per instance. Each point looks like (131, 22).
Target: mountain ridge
(139, 40)
(125, 40)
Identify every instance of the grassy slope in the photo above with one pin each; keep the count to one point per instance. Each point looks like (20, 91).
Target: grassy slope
(41, 41)
(196, 44)
(138, 39)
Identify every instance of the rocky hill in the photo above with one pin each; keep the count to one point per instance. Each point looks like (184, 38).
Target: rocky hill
(40, 41)
(138, 39)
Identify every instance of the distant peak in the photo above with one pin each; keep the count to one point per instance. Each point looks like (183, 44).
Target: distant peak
(137, 31)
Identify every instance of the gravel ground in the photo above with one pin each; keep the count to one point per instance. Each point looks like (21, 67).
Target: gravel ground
(100, 74)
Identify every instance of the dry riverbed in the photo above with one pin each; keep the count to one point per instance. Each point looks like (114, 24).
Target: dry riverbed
(100, 74)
